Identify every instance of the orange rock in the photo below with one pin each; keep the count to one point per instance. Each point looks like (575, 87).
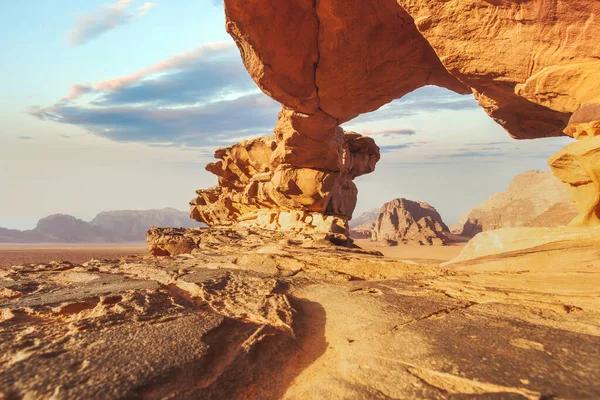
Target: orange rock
(529, 64)
(578, 165)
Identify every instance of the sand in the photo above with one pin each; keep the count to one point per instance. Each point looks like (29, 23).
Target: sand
(12, 254)
(421, 254)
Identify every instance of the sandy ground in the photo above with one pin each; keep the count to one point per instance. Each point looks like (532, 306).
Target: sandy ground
(421, 254)
(12, 254)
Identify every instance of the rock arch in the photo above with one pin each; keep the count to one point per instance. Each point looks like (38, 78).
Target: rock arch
(533, 65)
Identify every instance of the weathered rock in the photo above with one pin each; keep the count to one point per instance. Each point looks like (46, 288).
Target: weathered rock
(371, 53)
(517, 58)
(534, 198)
(578, 165)
(409, 222)
(255, 316)
(289, 181)
(530, 65)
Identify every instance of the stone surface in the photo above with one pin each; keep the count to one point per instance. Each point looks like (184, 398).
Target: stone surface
(510, 240)
(531, 65)
(253, 316)
(288, 181)
(578, 165)
(409, 222)
(534, 198)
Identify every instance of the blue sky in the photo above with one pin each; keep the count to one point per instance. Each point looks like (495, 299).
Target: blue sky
(118, 105)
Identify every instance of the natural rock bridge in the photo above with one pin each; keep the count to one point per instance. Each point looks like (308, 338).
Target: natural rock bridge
(533, 65)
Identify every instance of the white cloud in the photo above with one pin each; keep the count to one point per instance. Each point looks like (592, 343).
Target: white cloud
(105, 18)
(178, 61)
(143, 9)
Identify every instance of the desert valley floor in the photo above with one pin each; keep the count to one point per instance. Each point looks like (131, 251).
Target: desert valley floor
(263, 315)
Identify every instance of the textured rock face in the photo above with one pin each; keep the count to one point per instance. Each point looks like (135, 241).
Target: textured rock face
(578, 165)
(530, 64)
(533, 199)
(299, 179)
(251, 315)
(409, 222)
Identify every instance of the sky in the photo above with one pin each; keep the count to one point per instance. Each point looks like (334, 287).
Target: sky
(110, 105)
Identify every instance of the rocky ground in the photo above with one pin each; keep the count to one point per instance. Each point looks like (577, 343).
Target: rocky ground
(248, 315)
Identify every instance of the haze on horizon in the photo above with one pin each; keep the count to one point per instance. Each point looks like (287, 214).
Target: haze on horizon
(119, 105)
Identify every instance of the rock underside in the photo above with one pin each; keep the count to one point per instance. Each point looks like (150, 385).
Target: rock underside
(249, 313)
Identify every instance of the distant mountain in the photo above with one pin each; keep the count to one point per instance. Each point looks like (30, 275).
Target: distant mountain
(366, 217)
(106, 227)
(533, 199)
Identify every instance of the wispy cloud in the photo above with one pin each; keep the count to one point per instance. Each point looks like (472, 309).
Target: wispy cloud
(212, 124)
(475, 154)
(390, 132)
(200, 97)
(179, 61)
(77, 90)
(144, 8)
(105, 18)
(393, 147)
(426, 99)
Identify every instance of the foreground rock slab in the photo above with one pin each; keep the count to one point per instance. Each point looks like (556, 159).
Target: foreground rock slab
(249, 318)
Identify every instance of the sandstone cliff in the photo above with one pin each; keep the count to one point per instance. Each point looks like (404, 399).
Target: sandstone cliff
(403, 221)
(533, 199)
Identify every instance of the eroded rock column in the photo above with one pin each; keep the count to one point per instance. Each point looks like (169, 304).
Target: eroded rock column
(578, 164)
(299, 179)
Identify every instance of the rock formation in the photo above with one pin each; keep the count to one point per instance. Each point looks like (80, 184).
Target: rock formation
(531, 65)
(533, 199)
(409, 222)
(578, 164)
(289, 181)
